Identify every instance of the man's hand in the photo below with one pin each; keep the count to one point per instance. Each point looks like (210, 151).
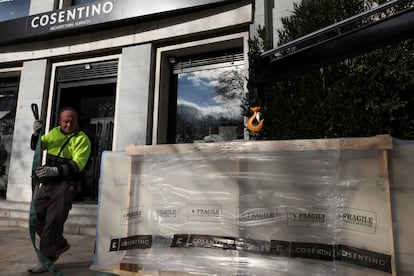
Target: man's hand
(37, 127)
(46, 171)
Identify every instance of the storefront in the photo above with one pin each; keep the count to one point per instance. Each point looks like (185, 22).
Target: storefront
(169, 72)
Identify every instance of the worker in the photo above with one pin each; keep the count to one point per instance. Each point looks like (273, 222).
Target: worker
(68, 150)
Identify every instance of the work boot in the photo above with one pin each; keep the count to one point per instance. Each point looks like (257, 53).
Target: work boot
(62, 250)
(37, 268)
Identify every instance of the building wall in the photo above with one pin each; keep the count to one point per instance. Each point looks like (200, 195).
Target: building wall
(31, 90)
(282, 8)
(39, 6)
(259, 16)
(271, 20)
(132, 104)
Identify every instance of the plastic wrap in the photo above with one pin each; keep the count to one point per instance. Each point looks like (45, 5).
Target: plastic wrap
(240, 208)
(402, 195)
(113, 197)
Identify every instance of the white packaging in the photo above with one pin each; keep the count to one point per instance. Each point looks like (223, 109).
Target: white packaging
(314, 207)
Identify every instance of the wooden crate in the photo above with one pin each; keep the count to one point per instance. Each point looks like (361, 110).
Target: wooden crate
(377, 145)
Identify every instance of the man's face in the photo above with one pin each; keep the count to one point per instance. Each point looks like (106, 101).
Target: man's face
(68, 121)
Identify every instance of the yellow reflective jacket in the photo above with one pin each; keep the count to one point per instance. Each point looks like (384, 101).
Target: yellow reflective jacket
(72, 158)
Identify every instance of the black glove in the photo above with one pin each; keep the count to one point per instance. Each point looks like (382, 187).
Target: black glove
(37, 127)
(46, 171)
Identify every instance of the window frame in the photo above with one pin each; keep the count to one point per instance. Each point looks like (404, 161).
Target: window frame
(163, 76)
(229, 60)
(7, 144)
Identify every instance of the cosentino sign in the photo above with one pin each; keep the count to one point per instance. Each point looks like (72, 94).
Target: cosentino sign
(98, 14)
(76, 16)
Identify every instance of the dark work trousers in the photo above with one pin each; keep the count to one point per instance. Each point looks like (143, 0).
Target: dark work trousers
(52, 203)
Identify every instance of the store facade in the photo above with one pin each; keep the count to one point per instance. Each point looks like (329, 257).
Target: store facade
(169, 72)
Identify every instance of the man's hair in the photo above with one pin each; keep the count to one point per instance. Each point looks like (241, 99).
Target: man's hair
(68, 108)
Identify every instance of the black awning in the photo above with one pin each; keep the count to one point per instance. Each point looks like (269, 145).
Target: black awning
(95, 16)
(362, 40)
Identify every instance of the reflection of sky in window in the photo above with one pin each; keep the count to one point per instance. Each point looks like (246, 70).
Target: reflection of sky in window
(198, 87)
(198, 90)
(11, 9)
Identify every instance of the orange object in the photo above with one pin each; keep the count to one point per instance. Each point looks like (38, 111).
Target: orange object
(256, 116)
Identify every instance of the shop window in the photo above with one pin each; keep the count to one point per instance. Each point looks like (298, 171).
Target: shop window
(207, 103)
(8, 103)
(14, 9)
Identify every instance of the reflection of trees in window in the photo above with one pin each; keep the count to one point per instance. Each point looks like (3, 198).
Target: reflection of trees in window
(198, 118)
(230, 85)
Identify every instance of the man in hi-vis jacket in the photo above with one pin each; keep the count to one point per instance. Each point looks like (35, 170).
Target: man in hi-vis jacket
(68, 150)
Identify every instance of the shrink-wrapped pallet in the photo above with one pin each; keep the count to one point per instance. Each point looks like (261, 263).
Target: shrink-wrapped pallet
(314, 207)
(402, 195)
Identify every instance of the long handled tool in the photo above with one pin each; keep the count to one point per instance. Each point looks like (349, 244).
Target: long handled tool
(35, 111)
(37, 158)
(37, 161)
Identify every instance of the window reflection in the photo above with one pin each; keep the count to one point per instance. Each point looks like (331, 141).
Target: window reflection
(209, 105)
(8, 103)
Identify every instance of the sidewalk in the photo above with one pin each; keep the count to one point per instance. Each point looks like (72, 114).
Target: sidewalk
(17, 254)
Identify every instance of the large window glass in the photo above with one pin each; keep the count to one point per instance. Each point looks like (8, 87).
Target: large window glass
(209, 99)
(11, 9)
(8, 103)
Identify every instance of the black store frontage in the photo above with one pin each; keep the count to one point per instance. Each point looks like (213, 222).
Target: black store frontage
(132, 73)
